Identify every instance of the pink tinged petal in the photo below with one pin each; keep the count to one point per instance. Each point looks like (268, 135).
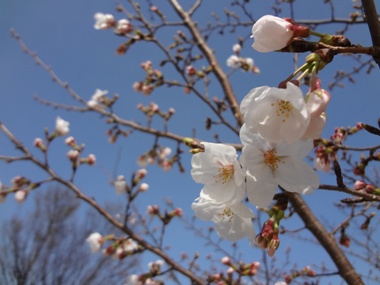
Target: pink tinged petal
(316, 126)
(296, 176)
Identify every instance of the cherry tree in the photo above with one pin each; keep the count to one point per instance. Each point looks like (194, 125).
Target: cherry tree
(248, 122)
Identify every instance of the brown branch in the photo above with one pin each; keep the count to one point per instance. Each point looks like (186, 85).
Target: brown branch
(362, 194)
(346, 271)
(102, 211)
(219, 73)
(372, 17)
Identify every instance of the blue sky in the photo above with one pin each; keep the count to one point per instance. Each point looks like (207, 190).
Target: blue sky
(62, 34)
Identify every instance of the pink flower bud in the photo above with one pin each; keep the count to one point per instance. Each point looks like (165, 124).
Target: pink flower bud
(178, 212)
(143, 187)
(73, 155)
(70, 141)
(141, 173)
(190, 70)
(38, 142)
(20, 195)
(153, 209)
(91, 159)
(230, 271)
(236, 48)
(359, 184)
(226, 260)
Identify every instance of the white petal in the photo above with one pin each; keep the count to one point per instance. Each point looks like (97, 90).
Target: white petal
(296, 176)
(261, 187)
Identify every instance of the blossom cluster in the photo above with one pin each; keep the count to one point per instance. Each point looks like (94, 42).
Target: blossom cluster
(279, 127)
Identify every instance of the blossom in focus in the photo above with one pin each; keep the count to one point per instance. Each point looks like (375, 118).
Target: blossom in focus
(272, 33)
(232, 219)
(61, 127)
(95, 241)
(277, 114)
(96, 98)
(103, 21)
(268, 165)
(220, 172)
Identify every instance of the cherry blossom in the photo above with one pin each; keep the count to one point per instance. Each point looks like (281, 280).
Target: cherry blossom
(220, 172)
(95, 241)
(272, 33)
(277, 114)
(120, 185)
(20, 195)
(268, 165)
(316, 103)
(232, 219)
(233, 61)
(123, 27)
(104, 21)
(61, 127)
(96, 98)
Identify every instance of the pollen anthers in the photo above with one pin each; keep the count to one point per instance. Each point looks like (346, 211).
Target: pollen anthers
(225, 172)
(227, 214)
(284, 108)
(271, 158)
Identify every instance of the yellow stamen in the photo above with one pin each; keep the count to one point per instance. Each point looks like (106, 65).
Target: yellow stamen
(284, 108)
(227, 214)
(225, 172)
(271, 158)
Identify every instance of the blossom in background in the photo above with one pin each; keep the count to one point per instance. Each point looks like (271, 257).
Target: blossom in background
(220, 172)
(20, 195)
(272, 33)
(126, 247)
(61, 127)
(95, 241)
(120, 184)
(236, 48)
(233, 219)
(103, 21)
(268, 165)
(96, 98)
(123, 27)
(277, 114)
(233, 61)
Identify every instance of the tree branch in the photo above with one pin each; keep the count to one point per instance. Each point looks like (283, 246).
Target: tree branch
(219, 73)
(373, 24)
(346, 271)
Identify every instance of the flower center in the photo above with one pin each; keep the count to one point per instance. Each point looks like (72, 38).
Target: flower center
(227, 214)
(271, 159)
(284, 108)
(225, 172)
